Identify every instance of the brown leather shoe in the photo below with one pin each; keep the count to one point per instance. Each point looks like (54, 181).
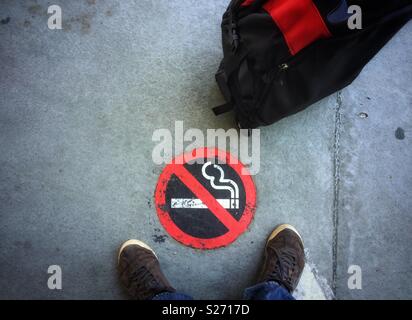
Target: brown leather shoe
(284, 257)
(140, 272)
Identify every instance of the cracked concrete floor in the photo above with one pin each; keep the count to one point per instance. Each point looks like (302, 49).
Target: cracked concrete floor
(78, 107)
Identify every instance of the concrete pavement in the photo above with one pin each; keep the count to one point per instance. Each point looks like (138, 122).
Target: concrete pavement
(78, 107)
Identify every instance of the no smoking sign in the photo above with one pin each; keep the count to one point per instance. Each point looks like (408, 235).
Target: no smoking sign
(205, 204)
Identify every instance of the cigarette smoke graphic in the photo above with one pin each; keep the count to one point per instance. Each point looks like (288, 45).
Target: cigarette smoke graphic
(234, 190)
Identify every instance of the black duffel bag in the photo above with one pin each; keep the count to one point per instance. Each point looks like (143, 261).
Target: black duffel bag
(281, 56)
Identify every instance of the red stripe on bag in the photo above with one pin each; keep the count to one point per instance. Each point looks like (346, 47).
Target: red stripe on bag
(247, 3)
(298, 20)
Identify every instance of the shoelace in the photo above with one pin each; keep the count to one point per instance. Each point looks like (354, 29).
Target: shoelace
(143, 280)
(285, 265)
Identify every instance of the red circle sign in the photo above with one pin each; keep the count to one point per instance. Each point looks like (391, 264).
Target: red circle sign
(205, 204)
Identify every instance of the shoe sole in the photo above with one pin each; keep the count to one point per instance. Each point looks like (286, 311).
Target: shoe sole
(134, 243)
(282, 227)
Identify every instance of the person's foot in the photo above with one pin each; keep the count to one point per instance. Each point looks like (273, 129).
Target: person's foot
(140, 272)
(284, 257)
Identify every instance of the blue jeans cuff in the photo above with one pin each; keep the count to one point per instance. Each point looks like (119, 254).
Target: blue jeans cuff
(267, 291)
(172, 296)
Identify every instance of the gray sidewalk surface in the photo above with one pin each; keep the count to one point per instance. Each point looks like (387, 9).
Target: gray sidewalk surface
(78, 108)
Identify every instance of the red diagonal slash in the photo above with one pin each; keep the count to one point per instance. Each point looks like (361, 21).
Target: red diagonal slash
(203, 194)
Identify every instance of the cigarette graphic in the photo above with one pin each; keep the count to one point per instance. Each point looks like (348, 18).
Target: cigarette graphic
(230, 203)
(188, 203)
